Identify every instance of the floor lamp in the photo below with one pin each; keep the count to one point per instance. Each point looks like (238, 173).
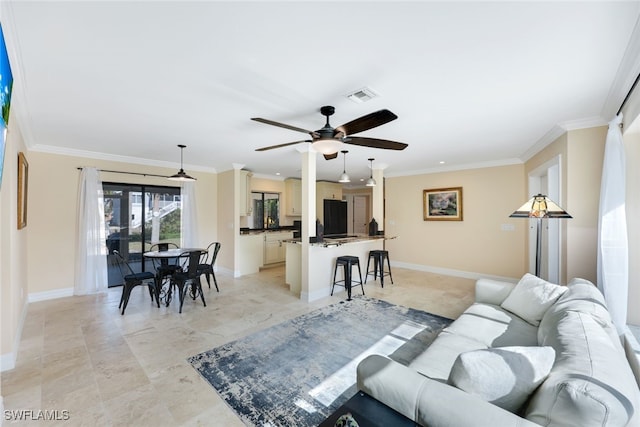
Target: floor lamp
(538, 207)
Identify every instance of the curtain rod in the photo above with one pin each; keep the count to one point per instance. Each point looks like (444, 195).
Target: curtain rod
(633, 86)
(129, 173)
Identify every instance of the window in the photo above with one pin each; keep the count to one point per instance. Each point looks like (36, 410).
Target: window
(136, 217)
(266, 210)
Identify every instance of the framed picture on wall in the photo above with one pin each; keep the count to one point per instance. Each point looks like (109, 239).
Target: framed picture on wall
(6, 85)
(442, 204)
(23, 185)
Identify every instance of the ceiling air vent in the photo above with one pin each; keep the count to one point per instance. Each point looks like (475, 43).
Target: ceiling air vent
(362, 95)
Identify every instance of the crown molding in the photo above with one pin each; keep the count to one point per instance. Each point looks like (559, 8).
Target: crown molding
(50, 149)
(628, 71)
(453, 168)
(558, 130)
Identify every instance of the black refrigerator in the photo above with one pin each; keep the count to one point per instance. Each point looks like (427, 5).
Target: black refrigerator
(335, 217)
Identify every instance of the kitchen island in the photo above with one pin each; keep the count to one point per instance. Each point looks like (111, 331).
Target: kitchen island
(323, 255)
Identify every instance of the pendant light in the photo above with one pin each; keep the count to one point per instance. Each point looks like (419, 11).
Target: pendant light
(371, 182)
(344, 177)
(181, 175)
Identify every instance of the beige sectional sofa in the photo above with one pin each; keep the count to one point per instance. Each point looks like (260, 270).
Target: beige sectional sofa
(525, 354)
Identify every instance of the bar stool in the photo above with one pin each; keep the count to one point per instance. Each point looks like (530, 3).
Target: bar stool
(378, 256)
(347, 262)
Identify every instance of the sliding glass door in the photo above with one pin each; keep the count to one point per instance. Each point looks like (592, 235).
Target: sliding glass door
(136, 217)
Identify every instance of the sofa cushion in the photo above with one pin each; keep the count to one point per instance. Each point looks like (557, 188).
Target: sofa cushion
(531, 298)
(591, 383)
(436, 361)
(582, 296)
(504, 376)
(494, 326)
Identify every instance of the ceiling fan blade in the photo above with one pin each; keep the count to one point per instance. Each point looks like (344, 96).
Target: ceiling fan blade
(330, 156)
(271, 147)
(376, 143)
(367, 122)
(282, 125)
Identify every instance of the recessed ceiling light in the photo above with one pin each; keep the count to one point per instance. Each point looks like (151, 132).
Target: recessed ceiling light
(278, 173)
(442, 162)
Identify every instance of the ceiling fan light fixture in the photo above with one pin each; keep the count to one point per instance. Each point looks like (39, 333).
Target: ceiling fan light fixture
(371, 182)
(181, 175)
(327, 145)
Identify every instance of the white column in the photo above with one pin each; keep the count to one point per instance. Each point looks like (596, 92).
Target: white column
(308, 214)
(378, 194)
(236, 219)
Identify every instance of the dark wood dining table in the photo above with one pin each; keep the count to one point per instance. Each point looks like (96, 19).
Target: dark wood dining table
(173, 253)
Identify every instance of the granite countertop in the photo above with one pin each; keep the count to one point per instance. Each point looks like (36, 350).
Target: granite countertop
(265, 230)
(337, 241)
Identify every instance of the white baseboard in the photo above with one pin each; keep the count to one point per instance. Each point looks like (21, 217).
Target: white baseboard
(322, 293)
(47, 295)
(8, 360)
(316, 295)
(451, 272)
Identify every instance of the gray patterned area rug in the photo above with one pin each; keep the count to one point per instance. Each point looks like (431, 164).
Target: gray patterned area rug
(300, 371)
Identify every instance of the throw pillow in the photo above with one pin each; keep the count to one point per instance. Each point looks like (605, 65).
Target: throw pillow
(532, 297)
(504, 376)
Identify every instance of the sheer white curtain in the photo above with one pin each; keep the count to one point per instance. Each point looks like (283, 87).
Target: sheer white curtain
(613, 259)
(91, 259)
(189, 220)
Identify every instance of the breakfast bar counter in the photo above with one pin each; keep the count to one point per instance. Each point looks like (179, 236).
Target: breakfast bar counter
(323, 256)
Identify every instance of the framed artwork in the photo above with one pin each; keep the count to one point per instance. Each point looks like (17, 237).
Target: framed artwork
(6, 85)
(23, 185)
(442, 204)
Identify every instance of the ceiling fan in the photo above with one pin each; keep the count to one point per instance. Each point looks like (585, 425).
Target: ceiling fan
(329, 140)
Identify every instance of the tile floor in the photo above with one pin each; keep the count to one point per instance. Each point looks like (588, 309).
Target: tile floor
(78, 354)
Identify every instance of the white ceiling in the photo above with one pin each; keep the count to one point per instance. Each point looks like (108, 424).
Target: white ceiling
(472, 83)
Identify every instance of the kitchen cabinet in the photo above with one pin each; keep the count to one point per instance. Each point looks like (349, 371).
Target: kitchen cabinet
(251, 253)
(274, 249)
(293, 197)
(246, 207)
(326, 190)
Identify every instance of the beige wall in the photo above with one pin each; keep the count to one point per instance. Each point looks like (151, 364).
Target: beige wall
(584, 174)
(476, 245)
(53, 187)
(582, 153)
(267, 185)
(557, 148)
(13, 253)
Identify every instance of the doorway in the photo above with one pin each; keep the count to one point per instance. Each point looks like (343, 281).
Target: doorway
(546, 179)
(136, 217)
(360, 214)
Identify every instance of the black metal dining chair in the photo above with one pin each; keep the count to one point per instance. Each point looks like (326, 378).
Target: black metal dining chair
(132, 279)
(187, 280)
(207, 267)
(164, 267)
